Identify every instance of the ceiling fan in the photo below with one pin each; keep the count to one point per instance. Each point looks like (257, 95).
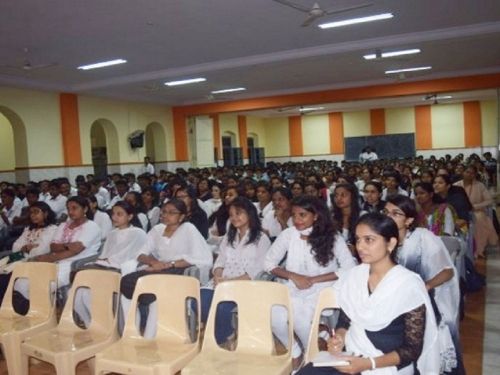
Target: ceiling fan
(317, 12)
(302, 110)
(27, 65)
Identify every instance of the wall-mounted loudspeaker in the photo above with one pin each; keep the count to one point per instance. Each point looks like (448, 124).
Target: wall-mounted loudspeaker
(136, 139)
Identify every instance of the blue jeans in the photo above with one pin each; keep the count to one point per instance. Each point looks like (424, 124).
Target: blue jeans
(223, 326)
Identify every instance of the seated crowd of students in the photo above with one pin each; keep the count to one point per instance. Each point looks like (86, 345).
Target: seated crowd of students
(309, 223)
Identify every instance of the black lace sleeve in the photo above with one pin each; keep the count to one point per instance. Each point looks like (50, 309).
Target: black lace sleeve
(344, 321)
(413, 341)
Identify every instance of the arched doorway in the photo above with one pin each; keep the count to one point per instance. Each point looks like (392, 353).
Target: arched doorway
(156, 147)
(13, 145)
(104, 146)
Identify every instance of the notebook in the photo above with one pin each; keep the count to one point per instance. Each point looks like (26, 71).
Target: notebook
(325, 359)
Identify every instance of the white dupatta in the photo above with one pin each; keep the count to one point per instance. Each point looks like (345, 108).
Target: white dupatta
(399, 292)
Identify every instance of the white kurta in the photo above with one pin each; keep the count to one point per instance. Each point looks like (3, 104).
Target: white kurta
(272, 225)
(300, 260)
(154, 216)
(121, 246)
(40, 236)
(241, 258)
(186, 243)
(103, 220)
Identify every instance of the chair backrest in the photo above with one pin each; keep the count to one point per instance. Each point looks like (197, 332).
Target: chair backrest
(104, 287)
(326, 300)
(42, 279)
(173, 293)
(452, 245)
(254, 300)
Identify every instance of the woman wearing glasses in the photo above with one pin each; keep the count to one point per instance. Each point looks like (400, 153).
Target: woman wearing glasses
(170, 248)
(425, 254)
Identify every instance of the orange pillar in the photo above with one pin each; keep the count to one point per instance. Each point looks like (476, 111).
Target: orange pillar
(180, 136)
(70, 128)
(377, 121)
(336, 127)
(295, 135)
(472, 124)
(216, 129)
(242, 133)
(423, 127)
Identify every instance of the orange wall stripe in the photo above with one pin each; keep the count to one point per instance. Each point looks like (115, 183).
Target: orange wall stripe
(336, 127)
(355, 93)
(472, 124)
(242, 133)
(180, 136)
(423, 127)
(70, 128)
(217, 139)
(377, 121)
(295, 135)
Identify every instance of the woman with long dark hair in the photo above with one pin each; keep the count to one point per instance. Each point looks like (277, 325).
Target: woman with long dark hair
(425, 254)
(315, 255)
(386, 318)
(438, 218)
(195, 215)
(241, 257)
(346, 210)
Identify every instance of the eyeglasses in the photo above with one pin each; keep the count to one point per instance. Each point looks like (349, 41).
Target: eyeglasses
(393, 213)
(170, 212)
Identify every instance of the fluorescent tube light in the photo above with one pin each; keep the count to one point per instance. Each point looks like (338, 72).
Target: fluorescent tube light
(444, 97)
(305, 109)
(392, 54)
(408, 70)
(352, 21)
(228, 90)
(103, 64)
(185, 81)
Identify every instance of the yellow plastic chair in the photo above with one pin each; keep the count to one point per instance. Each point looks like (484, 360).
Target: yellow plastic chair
(14, 328)
(67, 344)
(254, 353)
(326, 300)
(171, 349)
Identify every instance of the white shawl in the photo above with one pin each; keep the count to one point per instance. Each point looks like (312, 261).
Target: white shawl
(399, 292)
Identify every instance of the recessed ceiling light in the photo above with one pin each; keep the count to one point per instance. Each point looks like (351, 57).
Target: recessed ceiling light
(185, 81)
(103, 64)
(392, 54)
(352, 21)
(408, 70)
(228, 90)
(305, 109)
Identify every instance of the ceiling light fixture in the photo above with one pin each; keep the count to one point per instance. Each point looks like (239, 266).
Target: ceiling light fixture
(408, 70)
(185, 81)
(352, 21)
(373, 56)
(228, 90)
(103, 64)
(306, 109)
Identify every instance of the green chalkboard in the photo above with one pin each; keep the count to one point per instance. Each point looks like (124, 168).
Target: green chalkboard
(391, 146)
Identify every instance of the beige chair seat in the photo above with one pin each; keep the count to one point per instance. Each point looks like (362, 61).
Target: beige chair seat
(221, 363)
(67, 344)
(14, 328)
(172, 348)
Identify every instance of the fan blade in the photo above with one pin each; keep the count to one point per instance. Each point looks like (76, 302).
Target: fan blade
(293, 5)
(311, 19)
(346, 9)
(39, 66)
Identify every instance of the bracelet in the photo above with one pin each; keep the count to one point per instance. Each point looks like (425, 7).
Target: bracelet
(372, 361)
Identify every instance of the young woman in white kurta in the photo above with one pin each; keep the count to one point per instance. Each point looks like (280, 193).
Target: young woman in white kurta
(99, 217)
(315, 257)
(241, 257)
(120, 250)
(170, 248)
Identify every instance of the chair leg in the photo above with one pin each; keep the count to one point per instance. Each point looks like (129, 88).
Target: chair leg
(91, 365)
(25, 364)
(12, 354)
(64, 365)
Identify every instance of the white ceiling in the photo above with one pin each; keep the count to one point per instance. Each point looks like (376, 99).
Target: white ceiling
(258, 44)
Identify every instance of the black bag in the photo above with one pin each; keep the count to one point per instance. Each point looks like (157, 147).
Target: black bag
(474, 281)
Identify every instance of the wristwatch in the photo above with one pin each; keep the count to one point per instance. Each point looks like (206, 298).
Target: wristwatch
(172, 264)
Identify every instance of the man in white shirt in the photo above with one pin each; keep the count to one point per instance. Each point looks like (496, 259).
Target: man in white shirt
(8, 211)
(44, 190)
(57, 201)
(148, 167)
(367, 154)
